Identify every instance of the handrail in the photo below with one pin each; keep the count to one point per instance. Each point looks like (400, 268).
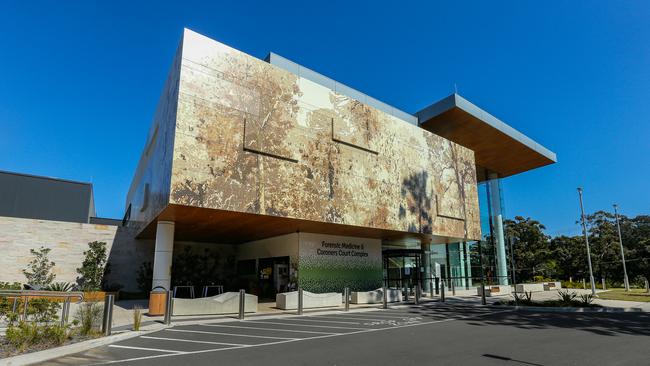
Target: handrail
(38, 293)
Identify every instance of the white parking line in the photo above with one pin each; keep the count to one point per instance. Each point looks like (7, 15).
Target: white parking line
(360, 319)
(379, 315)
(269, 329)
(145, 349)
(311, 338)
(305, 319)
(368, 319)
(228, 334)
(302, 325)
(193, 341)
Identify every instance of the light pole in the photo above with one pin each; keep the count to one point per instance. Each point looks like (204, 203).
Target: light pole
(584, 230)
(620, 241)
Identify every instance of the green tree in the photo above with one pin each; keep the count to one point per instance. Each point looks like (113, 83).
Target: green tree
(94, 267)
(531, 248)
(38, 271)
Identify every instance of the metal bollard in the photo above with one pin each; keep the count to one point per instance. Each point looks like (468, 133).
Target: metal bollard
(417, 295)
(647, 286)
(453, 287)
(442, 291)
(385, 298)
(242, 304)
(584, 285)
(65, 311)
(437, 285)
(25, 304)
(406, 293)
(346, 292)
(299, 301)
(431, 287)
(603, 282)
(13, 308)
(169, 307)
(107, 323)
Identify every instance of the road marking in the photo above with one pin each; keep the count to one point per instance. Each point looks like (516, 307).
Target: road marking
(193, 341)
(310, 338)
(320, 321)
(145, 349)
(228, 334)
(269, 329)
(398, 318)
(302, 325)
(340, 317)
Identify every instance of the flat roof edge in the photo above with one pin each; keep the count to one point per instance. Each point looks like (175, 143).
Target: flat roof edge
(457, 101)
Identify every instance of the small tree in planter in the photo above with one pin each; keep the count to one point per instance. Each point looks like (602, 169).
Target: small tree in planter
(94, 267)
(38, 271)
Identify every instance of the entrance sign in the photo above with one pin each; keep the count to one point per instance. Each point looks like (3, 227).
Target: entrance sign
(331, 263)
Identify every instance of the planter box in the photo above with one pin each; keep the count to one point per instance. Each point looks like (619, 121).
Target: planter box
(226, 303)
(98, 296)
(289, 300)
(529, 287)
(494, 290)
(551, 286)
(376, 296)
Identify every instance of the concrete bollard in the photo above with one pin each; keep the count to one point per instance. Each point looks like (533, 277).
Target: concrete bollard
(242, 304)
(107, 321)
(168, 307)
(300, 301)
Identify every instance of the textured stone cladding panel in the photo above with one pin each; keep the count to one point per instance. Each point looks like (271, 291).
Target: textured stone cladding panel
(254, 138)
(67, 242)
(149, 191)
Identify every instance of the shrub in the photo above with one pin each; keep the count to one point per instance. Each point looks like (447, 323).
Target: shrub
(586, 299)
(10, 286)
(60, 286)
(566, 297)
(137, 317)
(38, 271)
(89, 316)
(145, 276)
(94, 267)
(24, 335)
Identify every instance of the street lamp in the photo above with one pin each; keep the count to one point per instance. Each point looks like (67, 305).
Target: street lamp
(584, 230)
(626, 281)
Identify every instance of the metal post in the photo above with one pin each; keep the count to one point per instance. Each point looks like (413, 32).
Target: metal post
(584, 230)
(480, 260)
(242, 303)
(64, 312)
(169, 307)
(437, 285)
(431, 287)
(300, 293)
(584, 286)
(13, 308)
(385, 298)
(107, 323)
(647, 286)
(602, 279)
(626, 281)
(442, 291)
(346, 293)
(512, 262)
(406, 293)
(453, 287)
(417, 294)
(25, 308)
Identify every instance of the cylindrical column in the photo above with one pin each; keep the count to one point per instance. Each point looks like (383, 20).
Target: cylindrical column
(107, 323)
(496, 212)
(300, 301)
(242, 303)
(442, 291)
(65, 311)
(162, 260)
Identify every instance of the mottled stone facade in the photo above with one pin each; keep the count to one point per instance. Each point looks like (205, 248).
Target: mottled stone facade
(251, 137)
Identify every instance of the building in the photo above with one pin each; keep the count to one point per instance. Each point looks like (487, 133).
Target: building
(268, 176)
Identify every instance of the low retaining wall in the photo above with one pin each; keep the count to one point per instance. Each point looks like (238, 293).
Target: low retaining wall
(494, 290)
(529, 287)
(376, 296)
(226, 303)
(289, 300)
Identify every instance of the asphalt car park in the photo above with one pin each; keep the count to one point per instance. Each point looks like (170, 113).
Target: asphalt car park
(425, 334)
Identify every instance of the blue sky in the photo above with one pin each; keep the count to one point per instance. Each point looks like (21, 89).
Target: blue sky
(79, 81)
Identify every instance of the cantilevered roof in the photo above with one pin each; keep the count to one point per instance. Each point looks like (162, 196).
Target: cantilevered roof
(497, 146)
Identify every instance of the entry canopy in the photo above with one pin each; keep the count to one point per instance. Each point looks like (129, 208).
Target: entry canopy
(497, 147)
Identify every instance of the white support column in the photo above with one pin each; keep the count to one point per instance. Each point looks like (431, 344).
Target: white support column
(497, 224)
(162, 260)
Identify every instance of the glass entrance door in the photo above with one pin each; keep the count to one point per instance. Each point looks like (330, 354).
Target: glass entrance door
(402, 269)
